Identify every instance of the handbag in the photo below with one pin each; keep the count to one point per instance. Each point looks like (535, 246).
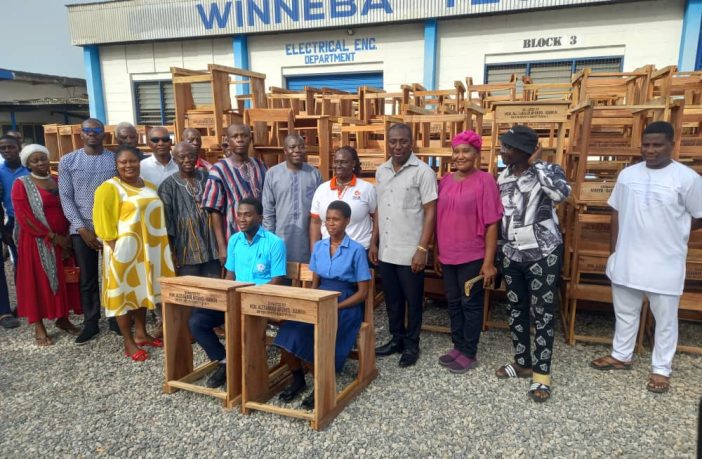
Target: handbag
(71, 272)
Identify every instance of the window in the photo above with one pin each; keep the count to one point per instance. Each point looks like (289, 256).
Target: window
(154, 102)
(33, 133)
(558, 71)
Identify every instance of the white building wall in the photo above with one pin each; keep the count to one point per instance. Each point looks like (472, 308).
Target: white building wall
(399, 54)
(122, 65)
(643, 32)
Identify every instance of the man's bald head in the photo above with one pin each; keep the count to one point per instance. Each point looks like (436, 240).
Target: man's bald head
(185, 147)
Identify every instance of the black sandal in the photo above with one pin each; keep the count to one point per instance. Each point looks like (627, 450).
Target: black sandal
(308, 402)
(512, 370)
(292, 391)
(539, 387)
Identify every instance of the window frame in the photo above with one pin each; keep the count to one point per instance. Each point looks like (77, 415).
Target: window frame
(573, 64)
(162, 100)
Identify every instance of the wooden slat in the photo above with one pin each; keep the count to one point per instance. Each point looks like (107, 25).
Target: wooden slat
(280, 410)
(199, 389)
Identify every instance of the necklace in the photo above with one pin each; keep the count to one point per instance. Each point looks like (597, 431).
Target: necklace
(194, 190)
(40, 177)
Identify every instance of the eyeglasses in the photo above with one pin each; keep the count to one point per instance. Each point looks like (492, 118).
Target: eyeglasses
(164, 139)
(97, 130)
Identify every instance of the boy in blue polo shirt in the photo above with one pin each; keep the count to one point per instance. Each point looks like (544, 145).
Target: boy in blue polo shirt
(253, 255)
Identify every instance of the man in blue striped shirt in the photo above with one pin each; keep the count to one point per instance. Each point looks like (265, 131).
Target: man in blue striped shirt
(81, 172)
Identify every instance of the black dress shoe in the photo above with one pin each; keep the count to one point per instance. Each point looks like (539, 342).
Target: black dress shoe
(89, 332)
(218, 378)
(292, 391)
(308, 402)
(389, 348)
(112, 324)
(408, 359)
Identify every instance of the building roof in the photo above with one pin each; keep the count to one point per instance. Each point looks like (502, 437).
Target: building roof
(40, 78)
(122, 21)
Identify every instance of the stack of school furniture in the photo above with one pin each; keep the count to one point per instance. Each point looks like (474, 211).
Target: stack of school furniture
(60, 139)
(611, 88)
(212, 111)
(549, 118)
(532, 91)
(486, 94)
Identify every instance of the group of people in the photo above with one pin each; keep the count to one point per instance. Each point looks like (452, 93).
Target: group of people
(172, 213)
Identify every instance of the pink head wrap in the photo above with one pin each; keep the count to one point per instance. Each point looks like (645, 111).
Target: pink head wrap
(470, 137)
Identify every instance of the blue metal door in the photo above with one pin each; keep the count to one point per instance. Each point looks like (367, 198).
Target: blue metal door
(349, 82)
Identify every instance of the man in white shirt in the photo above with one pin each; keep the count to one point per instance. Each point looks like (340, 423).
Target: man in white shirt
(160, 165)
(656, 203)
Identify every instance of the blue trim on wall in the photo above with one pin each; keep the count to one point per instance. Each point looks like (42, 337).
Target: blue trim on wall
(430, 46)
(240, 46)
(690, 40)
(93, 78)
(13, 121)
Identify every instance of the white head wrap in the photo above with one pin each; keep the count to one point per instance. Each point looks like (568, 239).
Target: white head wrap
(29, 149)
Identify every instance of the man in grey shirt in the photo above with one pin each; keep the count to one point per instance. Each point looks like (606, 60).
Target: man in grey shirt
(287, 198)
(402, 230)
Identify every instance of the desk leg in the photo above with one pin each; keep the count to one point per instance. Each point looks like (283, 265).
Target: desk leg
(254, 361)
(232, 328)
(178, 352)
(324, 148)
(324, 371)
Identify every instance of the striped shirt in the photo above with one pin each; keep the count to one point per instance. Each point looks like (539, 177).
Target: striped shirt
(81, 174)
(228, 184)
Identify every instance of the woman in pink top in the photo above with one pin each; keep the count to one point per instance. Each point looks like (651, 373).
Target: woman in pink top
(469, 209)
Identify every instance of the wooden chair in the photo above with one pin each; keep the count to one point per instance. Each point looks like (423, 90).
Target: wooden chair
(212, 119)
(532, 91)
(317, 132)
(432, 136)
(487, 94)
(611, 88)
(268, 142)
(548, 118)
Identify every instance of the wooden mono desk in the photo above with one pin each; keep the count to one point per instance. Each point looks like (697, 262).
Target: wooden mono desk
(316, 307)
(180, 294)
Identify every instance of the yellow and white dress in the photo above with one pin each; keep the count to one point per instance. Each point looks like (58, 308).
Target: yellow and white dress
(133, 218)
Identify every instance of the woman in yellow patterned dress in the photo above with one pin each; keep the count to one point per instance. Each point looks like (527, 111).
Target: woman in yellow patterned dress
(129, 218)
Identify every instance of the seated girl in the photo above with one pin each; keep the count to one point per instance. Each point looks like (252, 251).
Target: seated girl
(338, 264)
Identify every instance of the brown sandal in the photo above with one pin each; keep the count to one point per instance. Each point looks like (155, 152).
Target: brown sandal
(658, 384)
(512, 370)
(608, 362)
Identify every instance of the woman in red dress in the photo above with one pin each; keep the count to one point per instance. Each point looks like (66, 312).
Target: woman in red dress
(42, 243)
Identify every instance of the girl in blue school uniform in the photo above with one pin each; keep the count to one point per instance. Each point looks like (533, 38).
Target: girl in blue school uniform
(340, 264)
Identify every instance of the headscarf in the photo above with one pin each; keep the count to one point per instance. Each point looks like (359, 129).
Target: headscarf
(29, 149)
(470, 137)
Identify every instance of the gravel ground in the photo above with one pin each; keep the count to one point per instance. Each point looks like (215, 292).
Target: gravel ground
(71, 401)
